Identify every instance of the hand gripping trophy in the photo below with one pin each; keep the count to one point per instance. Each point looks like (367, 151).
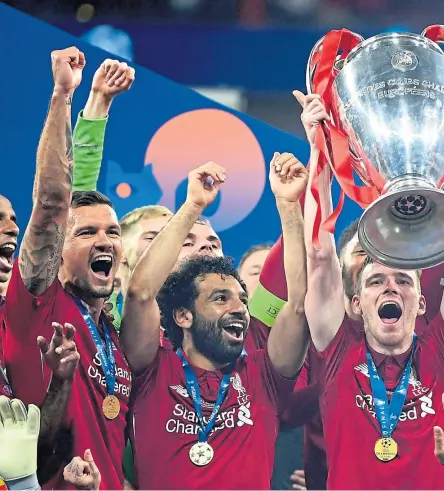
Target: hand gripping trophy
(385, 96)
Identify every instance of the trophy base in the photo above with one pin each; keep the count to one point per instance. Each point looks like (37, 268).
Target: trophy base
(404, 229)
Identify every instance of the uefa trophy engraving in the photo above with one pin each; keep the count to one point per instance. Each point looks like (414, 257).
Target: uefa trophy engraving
(386, 95)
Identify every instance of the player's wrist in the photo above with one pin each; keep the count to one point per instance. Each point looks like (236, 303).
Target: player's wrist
(60, 93)
(285, 204)
(193, 206)
(97, 106)
(60, 384)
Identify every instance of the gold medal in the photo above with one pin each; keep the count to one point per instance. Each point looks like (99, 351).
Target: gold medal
(386, 449)
(111, 407)
(201, 453)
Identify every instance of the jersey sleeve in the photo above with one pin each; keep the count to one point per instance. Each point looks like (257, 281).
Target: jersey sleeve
(277, 388)
(24, 313)
(432, 282)
(142, 382)
(435, 335)
(5, 389)
(302, 380)
(332, 357)
(25, 318)
(271, 293)
(303, 403)
(88, 138)
(257, 336)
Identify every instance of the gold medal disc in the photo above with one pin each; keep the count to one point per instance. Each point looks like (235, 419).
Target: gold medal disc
(386, 449)
(201, 454)
(111, 407)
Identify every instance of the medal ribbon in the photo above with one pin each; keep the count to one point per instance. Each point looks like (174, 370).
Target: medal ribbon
(193, 390)
(387, 413)
(106, 355)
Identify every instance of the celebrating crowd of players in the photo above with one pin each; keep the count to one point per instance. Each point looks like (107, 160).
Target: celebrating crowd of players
(134, 354)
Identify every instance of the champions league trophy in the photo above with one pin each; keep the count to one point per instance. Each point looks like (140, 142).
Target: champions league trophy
(385, 96)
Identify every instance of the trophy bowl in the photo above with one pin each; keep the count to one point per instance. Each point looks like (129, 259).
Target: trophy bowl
(388, 97)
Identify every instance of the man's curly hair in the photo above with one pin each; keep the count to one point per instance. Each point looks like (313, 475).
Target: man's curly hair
(180, 290)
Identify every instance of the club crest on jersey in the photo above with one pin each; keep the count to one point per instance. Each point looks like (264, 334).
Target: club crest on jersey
(243, 398)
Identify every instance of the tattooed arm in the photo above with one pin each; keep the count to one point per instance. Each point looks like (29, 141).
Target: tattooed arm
(62, 358)
(52, 448)
(42, 244)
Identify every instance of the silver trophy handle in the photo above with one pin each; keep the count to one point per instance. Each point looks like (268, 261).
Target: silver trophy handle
(311, 66)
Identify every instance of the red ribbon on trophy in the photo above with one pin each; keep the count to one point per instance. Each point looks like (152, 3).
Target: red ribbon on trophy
(435, 33)
(331, 140)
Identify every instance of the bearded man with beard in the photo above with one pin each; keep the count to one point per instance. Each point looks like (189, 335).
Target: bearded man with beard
(207, 405)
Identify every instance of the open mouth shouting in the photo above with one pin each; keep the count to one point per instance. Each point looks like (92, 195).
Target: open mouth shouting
(7, 255)
(101, 266)
(235, 330)
(390, 312)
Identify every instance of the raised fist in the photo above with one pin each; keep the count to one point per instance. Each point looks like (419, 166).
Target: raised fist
(113, 78)
(288, 177)
(67, 67)
(204, 183)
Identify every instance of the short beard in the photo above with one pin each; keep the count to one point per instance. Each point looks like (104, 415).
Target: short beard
(83, 289)
(208, 340)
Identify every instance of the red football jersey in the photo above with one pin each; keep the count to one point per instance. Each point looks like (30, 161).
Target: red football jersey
(25, 318)
(432, 290)
(5, 388)
(257, 336)
(351, 428)
(165, 426)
